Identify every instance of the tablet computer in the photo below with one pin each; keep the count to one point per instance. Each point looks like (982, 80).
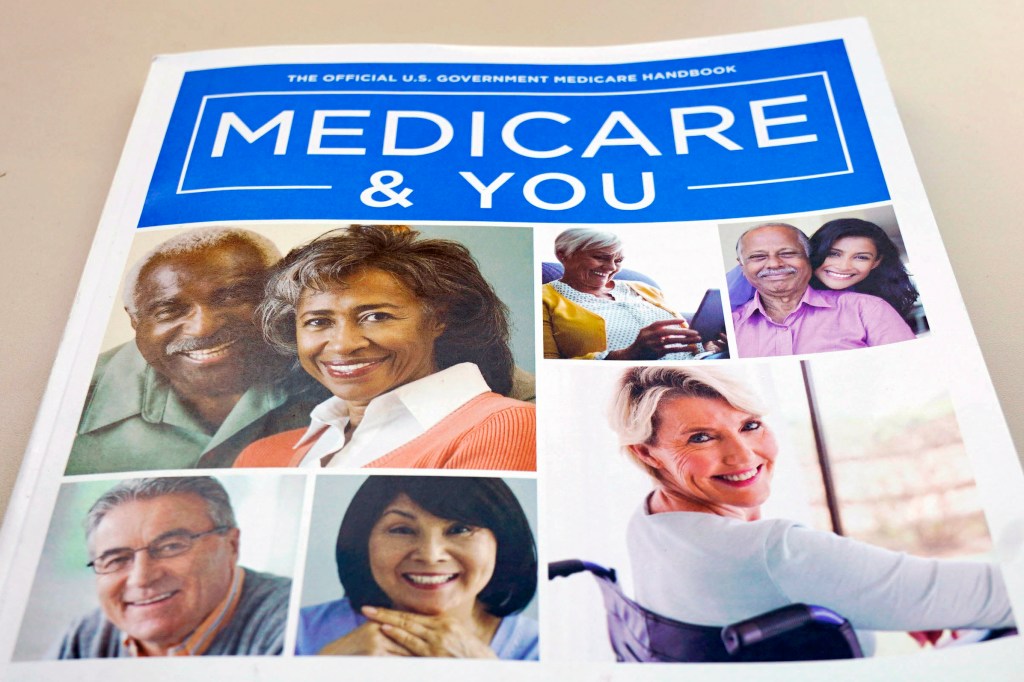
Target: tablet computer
(709, 319)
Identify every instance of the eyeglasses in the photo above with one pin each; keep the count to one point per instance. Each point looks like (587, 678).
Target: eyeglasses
(170, 545)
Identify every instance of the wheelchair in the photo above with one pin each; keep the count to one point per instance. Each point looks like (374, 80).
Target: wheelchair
(797, 632)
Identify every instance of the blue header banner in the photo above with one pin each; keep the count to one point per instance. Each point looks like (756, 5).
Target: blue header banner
(748, 134)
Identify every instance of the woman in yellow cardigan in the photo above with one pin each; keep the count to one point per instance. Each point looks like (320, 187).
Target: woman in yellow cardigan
(588, 315)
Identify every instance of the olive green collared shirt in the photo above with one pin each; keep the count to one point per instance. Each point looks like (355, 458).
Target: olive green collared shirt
(134, 421)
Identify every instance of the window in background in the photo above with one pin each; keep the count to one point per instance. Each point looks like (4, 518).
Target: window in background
(900, 470)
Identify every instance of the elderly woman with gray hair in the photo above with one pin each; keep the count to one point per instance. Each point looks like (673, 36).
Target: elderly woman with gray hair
(590, 315)
(412, 342)
(702, 554)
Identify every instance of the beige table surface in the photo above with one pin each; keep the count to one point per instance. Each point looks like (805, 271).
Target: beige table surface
(71, 74)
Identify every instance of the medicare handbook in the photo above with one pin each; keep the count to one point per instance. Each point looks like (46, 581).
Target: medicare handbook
(561, 361)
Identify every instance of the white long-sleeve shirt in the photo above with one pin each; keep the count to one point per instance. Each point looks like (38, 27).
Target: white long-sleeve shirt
(711, 570)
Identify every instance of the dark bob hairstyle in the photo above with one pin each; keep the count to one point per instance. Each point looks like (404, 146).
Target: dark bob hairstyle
(889, 281)
(441, 274)
(484, 502)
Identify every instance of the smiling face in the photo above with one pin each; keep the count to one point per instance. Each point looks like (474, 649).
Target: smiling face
(159, 602)
(591, 270)
(849, 261)
(429, 565)
(710, 457)
(365, 336)
(774, 261)
(194, 319)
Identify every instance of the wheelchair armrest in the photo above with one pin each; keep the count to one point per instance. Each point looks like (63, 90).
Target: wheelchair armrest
(739, 636)
(567, 567)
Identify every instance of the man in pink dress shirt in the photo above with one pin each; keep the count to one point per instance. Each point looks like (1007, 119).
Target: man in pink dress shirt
(788, 317)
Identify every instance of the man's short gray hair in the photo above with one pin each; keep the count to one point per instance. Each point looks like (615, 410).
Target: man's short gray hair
(218, 504)
(634, 411)
(801, 237)
(195, 241)
(579, 238)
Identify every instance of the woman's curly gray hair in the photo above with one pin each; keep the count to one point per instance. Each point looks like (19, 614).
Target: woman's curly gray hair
(634, 411)
(441, 273)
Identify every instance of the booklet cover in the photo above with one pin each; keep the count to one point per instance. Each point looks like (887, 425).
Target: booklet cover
(554, 360)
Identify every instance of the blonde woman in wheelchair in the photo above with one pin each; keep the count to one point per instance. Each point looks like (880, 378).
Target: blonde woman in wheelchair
(702, 554)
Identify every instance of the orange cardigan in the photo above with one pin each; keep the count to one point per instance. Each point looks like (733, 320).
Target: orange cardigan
(488, 432)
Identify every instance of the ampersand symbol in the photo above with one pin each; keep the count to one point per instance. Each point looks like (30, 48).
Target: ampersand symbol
(382, 182)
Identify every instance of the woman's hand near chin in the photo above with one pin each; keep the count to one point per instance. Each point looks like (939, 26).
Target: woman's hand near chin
(422, 635)
(366, 640)
(659, 339)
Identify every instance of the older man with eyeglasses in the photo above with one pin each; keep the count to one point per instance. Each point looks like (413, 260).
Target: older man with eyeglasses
(165, 554)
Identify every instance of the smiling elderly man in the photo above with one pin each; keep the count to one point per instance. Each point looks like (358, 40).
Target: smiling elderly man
(165, 554)
(788, 317)
(198, 384)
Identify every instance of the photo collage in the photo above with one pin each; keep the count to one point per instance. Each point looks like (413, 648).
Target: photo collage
(334, 439)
